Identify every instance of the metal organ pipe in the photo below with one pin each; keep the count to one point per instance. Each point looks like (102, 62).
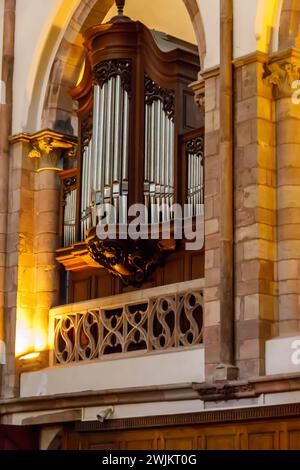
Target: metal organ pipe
(147, 155)
(117, 143)
(125, 137)
(108, 143)
(96, 132)
(124, 152)
(99, 157)
(159, 159)
(69, 219)
(105, 159)
(83, 194)
(195, 189)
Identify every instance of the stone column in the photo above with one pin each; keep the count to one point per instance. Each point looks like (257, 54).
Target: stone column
(46, 158)
(209, 86)
(225, 369)
(281, 72)
(32, 274)
(255, 215)
(20, 261)
(6, 77)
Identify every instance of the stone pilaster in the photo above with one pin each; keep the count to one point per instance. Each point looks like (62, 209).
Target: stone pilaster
(282, 73)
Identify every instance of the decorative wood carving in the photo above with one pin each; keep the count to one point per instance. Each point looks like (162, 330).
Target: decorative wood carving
(196, 146)
(156, 324)
(120, 5)
(69, 185)
(131, 260)
(108, 69)
(86, 129)
(120, 16)
(155, 92)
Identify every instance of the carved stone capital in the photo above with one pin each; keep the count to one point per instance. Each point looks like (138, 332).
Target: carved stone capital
(199, 91)
(282, 75)
(48, 147)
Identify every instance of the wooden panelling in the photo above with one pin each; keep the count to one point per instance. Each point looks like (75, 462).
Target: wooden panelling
(274, 434)
(97, 283)
(18, 438)
(192, 118)
(81, 289)
(293, 440)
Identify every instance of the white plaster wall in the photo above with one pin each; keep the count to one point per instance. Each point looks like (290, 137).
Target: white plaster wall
(150, 370)
(32, 16)
(210, 11)
(244, 27)
(283, 355)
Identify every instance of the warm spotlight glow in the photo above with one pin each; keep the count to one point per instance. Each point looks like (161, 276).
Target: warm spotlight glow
(30, 336)
(81, 74)
(40, 339)
(30, 357)
(24, 332)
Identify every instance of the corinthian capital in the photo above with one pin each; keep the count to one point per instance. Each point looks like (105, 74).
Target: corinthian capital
(47, 147)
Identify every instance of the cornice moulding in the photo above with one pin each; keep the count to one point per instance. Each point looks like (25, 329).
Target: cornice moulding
(46, 133)
(251, 58)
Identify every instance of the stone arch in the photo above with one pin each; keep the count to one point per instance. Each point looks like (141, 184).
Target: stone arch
(57, 110)
(289, 28)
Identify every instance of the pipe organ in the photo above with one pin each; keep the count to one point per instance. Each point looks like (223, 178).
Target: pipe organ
(134, 106)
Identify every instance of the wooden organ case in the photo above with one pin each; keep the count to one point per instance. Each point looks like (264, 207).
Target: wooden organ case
(140, 142)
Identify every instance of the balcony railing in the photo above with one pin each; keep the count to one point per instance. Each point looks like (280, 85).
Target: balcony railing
(144, 321)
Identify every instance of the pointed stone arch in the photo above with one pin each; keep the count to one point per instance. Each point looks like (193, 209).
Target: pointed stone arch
(57, 111)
